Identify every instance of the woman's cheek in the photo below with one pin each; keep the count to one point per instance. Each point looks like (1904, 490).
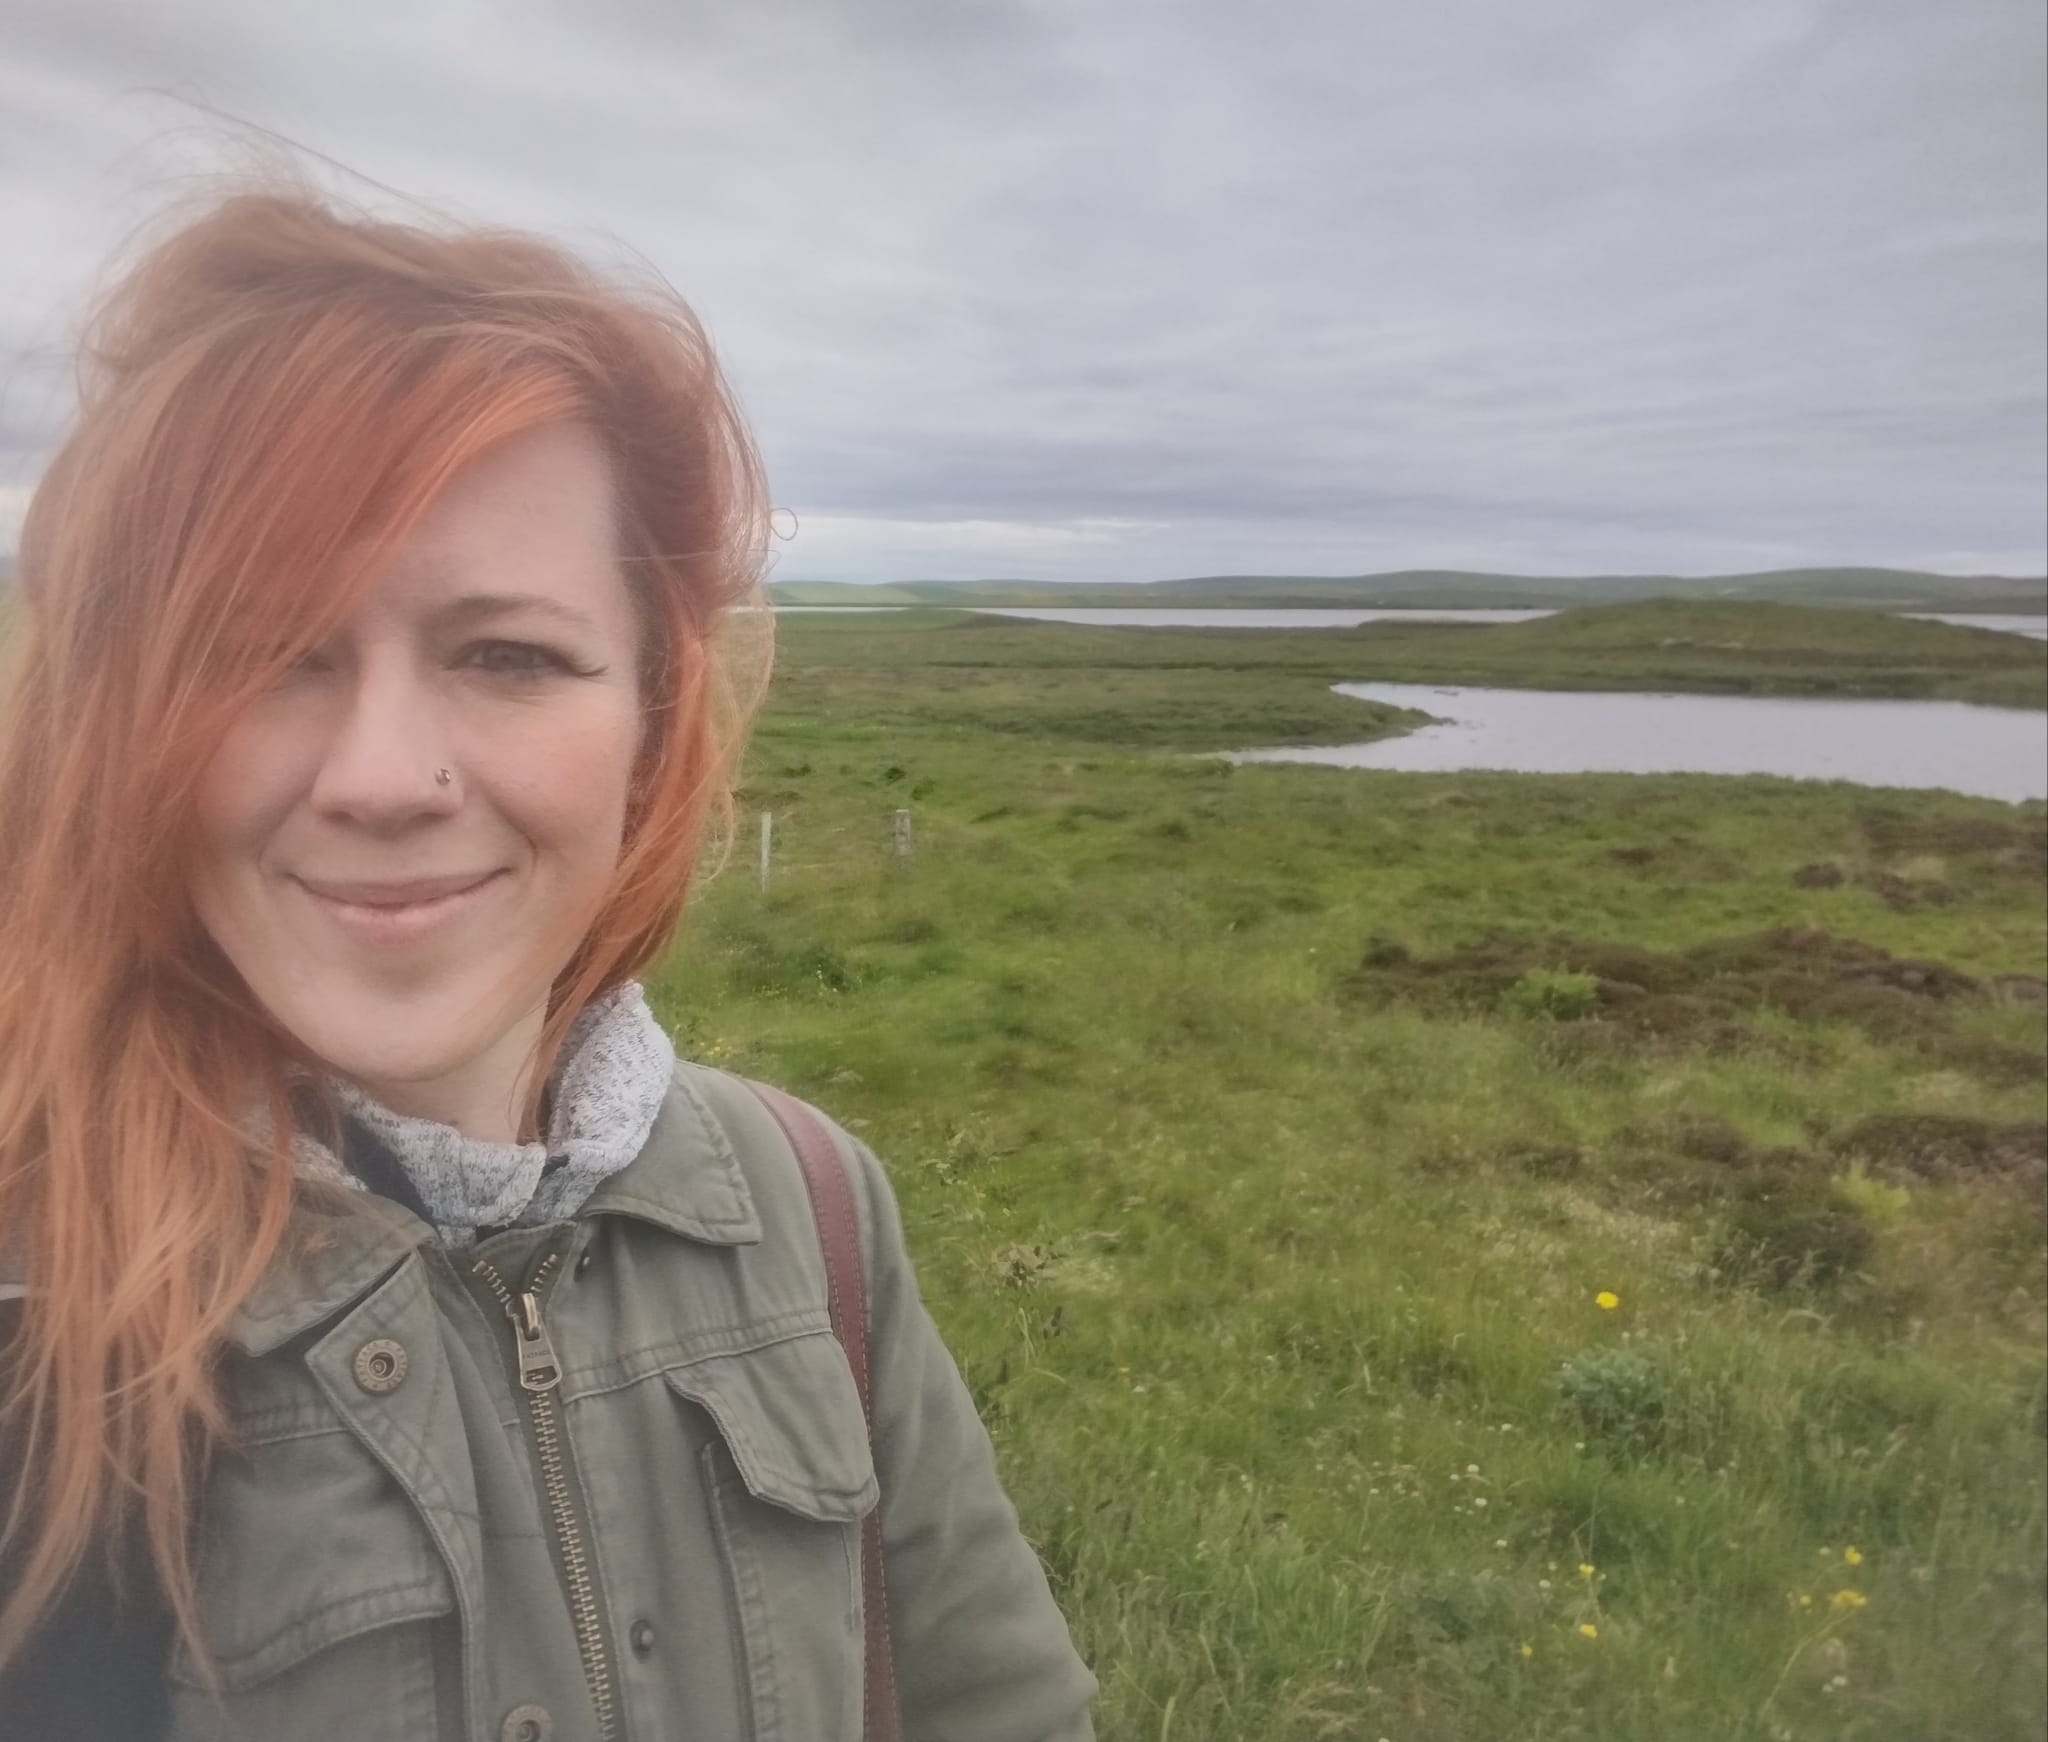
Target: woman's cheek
(570, 777)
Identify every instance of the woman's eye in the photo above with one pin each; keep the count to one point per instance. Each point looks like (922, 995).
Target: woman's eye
(307, 664)
(517, 658)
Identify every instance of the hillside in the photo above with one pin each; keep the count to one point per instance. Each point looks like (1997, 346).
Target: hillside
(1880, 589)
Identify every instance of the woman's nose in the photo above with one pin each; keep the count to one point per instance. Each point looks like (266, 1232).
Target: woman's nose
(380, 763)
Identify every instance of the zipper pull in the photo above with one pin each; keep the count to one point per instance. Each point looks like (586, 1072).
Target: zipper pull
(538, 1368)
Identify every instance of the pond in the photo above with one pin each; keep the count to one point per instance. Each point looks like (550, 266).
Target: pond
(1990, 752)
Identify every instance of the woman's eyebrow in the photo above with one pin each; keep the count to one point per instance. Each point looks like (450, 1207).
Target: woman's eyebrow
(472, 606)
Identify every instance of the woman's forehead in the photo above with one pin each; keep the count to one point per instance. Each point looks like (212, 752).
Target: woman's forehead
(530, 526)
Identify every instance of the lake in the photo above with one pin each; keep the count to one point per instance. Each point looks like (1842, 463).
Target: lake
(1990, 752)
(1248, 617)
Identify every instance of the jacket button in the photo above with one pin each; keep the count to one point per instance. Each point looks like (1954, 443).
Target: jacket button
(642, 1637)
(526, 1724)
(587, 1260)
(380, 1366)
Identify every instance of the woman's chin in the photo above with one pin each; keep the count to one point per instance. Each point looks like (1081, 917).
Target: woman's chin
(396, 1049)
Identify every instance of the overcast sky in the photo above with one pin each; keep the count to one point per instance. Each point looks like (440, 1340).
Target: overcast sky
(1110, 289)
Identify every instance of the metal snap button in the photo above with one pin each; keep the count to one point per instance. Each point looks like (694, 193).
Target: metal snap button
(587, 1260)
(380, 1366)
(526, 1724)
(642, 1637)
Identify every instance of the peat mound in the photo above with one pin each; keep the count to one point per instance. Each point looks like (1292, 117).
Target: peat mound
(1707, 996)
(1947, 1146)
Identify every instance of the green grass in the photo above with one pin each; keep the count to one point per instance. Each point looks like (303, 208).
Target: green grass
(1113, 685)
(1265, 1135)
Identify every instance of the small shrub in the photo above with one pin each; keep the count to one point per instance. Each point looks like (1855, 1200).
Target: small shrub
(910, 928)
(1879, 1200)
(826, 967)
(1623, 1397)
(1784, 1236)
(1384, 952)
(1547, 993)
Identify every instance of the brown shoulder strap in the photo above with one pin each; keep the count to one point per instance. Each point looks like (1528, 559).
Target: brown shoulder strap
(831, 1196)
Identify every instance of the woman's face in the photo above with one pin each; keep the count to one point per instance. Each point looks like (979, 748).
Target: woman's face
(372, 908)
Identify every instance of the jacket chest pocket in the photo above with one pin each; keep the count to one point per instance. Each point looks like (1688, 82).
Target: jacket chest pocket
(788, 1476)
(323, 1602)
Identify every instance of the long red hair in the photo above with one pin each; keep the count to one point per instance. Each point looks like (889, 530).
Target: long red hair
(270, 396)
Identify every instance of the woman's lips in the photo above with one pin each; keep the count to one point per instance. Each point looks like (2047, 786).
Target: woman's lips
(398, 914)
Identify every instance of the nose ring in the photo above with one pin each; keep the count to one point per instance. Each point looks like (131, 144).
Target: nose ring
(442, 777)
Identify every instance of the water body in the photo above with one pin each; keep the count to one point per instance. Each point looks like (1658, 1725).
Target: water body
(1990, 752)
(1248, 617)
(2037, 627)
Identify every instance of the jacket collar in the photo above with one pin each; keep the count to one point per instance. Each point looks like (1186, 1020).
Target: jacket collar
(686, 1181)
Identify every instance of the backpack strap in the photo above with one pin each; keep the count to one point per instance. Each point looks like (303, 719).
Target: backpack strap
(831, 1194)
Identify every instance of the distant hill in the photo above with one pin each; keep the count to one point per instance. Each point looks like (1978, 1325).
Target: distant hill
(1877, 589)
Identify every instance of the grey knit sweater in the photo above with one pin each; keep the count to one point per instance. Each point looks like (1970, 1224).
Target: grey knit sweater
(608, 1084)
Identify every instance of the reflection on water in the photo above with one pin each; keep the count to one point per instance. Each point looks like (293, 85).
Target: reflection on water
(1992, 752)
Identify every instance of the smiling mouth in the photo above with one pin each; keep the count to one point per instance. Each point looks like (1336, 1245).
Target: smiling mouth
(404, 893)
(394, 913)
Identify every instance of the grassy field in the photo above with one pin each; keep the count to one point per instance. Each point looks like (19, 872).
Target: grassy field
(1442, 1257)
(1116, 685)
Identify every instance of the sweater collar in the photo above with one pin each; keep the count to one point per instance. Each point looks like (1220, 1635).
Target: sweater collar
(607, 1089)
(686, 1181)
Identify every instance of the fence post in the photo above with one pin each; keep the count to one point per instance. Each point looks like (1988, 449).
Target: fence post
(767, 846)
(903, 834)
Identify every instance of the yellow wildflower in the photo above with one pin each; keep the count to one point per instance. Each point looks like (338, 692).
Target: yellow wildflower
(1587, 1629)
(1528, 1650)
(1847, 1598)
(1586, 1569)
(1852, 1555)
(1805, 1600)
(1607, 1300)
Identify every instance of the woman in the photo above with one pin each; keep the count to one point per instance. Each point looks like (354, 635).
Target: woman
(401, 1342)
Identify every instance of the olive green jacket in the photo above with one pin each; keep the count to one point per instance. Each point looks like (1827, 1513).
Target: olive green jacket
(611, 1487)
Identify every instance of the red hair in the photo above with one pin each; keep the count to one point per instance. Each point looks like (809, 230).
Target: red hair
(270, 397)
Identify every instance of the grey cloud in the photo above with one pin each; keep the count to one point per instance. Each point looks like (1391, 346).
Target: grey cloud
(1355, 285)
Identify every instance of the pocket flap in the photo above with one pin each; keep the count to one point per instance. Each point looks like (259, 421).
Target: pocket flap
(305, 1542)
(790, 1415)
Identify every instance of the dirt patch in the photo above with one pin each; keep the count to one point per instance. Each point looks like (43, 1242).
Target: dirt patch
(1555, 1161)
(1947, 1146)
(1780, 1224)
(2012, 844)
(1706, 997)
(1902, 894)
(1921, 881)
(2018, 988)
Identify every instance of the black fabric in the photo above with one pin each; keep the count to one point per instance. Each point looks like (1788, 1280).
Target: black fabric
(95, 1669)
(364, 1154)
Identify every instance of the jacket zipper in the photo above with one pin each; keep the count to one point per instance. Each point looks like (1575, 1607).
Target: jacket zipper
(539, 1374)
